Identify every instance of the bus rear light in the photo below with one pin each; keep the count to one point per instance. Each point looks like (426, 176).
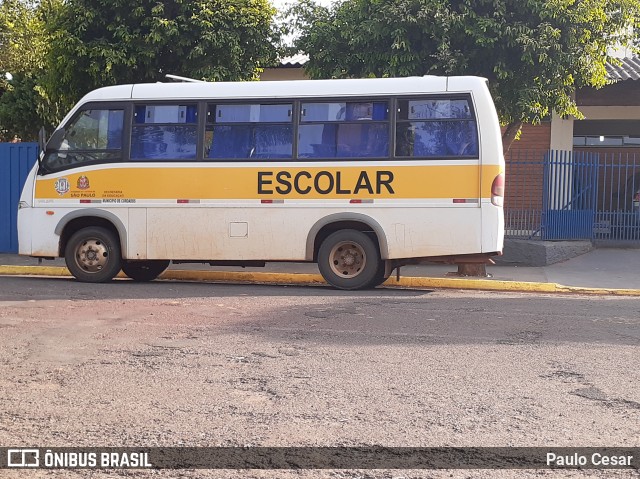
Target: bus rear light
(497, 190)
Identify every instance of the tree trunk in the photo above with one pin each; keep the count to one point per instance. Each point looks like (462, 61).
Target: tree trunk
(510, 134)
(472, 269)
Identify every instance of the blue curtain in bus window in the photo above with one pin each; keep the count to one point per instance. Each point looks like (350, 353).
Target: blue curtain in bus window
(360, 140)
(436, 127)
(249, 130)
(163, 142)
(231, 141)
(252, 141)
(376, 111)
(346, 140)
(164, 132)
(114, 133)
(437, 138)
(317, 141)
(344, 130)
(273, 141)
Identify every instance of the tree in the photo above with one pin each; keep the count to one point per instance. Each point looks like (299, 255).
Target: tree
(105, 42)
(535, 53)
(23, 43)
(24, 106)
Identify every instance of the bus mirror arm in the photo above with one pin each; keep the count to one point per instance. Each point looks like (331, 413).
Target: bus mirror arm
(54, 143)
(42, 143)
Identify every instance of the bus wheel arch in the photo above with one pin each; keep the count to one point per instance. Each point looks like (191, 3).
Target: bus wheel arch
(76, 220)
(351, 252)
(92, 254)
(91, 245)
(349, 259)
(339, 221)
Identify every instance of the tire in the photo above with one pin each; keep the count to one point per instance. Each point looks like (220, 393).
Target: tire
(93, 255)
(349, 259)
(144, 270)
(380, 277)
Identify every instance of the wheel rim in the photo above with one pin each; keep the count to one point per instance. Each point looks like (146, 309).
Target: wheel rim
(347, 259)
(92, 255)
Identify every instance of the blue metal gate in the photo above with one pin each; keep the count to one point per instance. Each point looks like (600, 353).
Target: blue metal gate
(16, 160)
(570, 194)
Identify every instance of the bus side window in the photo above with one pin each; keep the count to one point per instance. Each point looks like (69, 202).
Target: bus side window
(94, 136)
(436, 128)
(247, 131)
(344, 130)
(164, 132)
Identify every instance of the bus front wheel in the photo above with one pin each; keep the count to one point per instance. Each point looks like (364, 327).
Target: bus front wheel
(93, 255)
(349, 259)
(144, 270)
(380, 275)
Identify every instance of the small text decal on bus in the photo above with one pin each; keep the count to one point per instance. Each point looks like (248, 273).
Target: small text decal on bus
(324, 183)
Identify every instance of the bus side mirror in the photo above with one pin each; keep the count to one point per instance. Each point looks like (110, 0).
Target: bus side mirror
(55, 142)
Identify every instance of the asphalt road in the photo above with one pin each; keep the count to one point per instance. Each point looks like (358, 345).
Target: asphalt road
(188, 364)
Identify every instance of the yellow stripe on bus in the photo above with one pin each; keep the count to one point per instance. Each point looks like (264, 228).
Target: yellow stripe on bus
(384, 181)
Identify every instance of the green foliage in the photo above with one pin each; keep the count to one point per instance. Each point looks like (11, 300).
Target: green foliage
(535, 53)
(17, 113)
(24, 40)
(105, 42)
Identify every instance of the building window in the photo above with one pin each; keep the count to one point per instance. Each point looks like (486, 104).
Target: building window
(604, 140)
(606, 133)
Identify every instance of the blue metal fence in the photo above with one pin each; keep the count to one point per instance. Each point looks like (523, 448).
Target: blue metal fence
(560, 195)
(618, 208)
(16, 160)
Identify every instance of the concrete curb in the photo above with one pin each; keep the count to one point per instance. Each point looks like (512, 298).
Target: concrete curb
(309, 279)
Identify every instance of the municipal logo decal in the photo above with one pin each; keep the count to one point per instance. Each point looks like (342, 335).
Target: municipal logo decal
(62, 186)
(83, 183)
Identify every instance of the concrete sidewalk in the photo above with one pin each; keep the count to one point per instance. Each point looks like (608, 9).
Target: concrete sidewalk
(601, 271)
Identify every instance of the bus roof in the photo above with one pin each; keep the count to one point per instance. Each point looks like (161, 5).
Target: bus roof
(287, 89)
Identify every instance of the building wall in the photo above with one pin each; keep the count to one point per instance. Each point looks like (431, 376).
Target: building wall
(619, 168)
(524, 174)
(534, 137)
(622, 93)
(279, 74)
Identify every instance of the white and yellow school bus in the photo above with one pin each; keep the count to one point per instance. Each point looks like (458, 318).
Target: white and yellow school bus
(360, 176)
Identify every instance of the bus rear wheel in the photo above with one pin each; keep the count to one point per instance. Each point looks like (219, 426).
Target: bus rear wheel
(93, 255)
(349, 259)
(144, 270)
